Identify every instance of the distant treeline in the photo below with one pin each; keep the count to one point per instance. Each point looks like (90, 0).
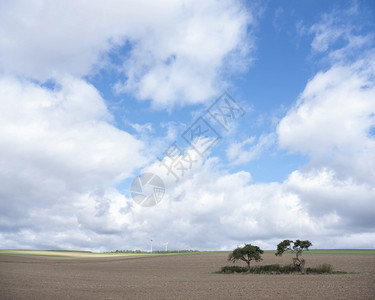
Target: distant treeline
(156, 251)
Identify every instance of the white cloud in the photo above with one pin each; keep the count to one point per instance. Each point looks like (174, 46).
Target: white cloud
(142, 128)
(179, 50)
(182, 56)
(210, 209)
(238, 153)
(54, 146)
(349, 204)
(332, 123)
(60, 154)
(337, 38)
(326, 34)
(332, 119)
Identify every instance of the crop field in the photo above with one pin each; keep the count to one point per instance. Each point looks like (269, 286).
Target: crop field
(86, 275)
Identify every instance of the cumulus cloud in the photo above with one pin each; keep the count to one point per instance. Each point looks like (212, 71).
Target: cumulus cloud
(212, 209)
(186, 61)
(178, 52)
(54, 146)
(61, 155)
(332, 123)
(347, 204)
(207, 214)
(333, 118)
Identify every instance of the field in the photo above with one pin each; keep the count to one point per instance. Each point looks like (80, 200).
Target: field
(85, 275)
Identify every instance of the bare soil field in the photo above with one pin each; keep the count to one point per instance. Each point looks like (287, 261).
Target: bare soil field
(178, 277)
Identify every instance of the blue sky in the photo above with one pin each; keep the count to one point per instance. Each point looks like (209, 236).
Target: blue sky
(92, 95)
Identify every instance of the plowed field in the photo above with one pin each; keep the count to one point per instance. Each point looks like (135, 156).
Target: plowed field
(178, 277)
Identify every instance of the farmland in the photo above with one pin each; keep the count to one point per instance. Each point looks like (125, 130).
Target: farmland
(86, 275)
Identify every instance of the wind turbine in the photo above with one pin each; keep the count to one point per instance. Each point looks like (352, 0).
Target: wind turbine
(151, 246)
(166, 246)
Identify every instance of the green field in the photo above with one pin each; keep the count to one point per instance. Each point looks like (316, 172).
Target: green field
(335, 251)
(342, 251)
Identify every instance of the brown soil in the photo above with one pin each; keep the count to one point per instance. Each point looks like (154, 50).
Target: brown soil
(179, 277)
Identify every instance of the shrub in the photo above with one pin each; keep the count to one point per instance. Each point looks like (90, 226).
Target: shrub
(279, 269)
(233, 269)
(325, 268)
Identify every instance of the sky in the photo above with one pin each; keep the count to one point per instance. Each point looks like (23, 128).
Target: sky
(201, 124)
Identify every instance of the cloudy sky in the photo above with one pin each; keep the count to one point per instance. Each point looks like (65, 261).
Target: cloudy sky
(93, 94)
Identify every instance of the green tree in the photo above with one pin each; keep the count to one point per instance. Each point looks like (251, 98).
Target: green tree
(295, 247)
(246, 253)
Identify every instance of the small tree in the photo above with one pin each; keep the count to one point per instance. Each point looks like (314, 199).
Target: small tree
(295, 247)
(246, 253)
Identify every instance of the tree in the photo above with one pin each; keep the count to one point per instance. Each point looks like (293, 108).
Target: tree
(246, 253)
(295, 247)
